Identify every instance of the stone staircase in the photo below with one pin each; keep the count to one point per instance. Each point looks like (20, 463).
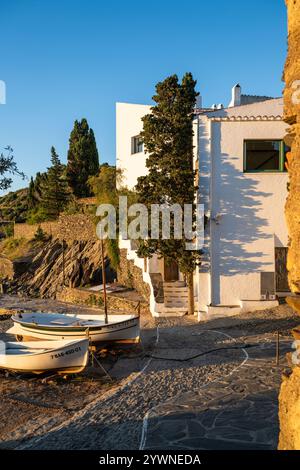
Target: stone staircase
(175, 299)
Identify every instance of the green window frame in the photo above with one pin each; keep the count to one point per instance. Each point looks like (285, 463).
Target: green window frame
(137, 145)
(283, 149)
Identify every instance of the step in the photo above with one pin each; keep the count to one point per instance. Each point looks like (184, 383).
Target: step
(175, 284)
(176, 304)
(219, 311)
(181, 291)
(176, 293)
(253, 305)
(172, 312)
(177, 298)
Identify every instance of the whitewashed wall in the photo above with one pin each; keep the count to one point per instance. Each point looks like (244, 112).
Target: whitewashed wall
(129, 124)
(242, 244)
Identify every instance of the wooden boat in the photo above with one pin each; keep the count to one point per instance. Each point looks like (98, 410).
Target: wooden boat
(58, 326)
(97, 328)
(42, 356)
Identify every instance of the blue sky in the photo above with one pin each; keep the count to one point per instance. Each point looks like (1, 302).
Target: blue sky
(67, 59)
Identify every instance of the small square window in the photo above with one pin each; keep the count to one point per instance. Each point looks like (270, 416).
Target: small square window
(265, 155)
(137, 145)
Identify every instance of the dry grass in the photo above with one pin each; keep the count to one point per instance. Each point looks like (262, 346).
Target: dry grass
(13, 248)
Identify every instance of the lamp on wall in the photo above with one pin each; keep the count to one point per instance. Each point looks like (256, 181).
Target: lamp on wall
(217, 218)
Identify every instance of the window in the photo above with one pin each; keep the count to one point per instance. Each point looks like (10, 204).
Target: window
(137, 145)
(265, 155)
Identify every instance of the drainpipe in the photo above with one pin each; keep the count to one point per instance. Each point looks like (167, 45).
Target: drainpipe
(211, 187)
(210, 192)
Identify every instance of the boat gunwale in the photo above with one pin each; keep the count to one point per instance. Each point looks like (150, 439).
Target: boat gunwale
(50, 350)
(70, 328)
(91, 334)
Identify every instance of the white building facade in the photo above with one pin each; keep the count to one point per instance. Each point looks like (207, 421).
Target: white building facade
(240, 156)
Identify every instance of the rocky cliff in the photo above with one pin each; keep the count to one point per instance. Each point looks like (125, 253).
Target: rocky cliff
(43, 270)
(289, 412)
(292, 117)
(289, 399)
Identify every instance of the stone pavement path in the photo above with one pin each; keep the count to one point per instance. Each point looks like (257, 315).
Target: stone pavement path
(116, 422)
(237, 412)
(212, 401)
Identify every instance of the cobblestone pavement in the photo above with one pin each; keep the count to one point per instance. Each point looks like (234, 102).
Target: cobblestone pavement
(237, 412)
(187, 403)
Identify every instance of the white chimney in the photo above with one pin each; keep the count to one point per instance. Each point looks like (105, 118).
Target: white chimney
(199, 102)
(236, 96)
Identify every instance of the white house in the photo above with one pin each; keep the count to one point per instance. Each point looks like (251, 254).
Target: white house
(240, 154)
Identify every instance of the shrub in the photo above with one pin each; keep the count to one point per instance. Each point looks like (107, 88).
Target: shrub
(40, 235)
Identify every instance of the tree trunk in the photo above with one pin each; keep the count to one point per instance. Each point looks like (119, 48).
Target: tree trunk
(191, 302)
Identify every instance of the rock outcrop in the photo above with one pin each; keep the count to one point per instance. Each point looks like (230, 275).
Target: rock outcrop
(292, 117)
(289, 412)
(289, 398)
(44, 272)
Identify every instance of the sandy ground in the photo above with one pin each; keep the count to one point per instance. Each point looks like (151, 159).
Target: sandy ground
(34, 406)
(31, 403)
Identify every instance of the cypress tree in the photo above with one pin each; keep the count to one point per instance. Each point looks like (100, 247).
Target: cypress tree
(83, 158)
(31, 195)
(55, 190)
(168, 139)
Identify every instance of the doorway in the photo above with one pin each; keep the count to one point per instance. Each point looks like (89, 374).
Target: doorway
(281, 272)
(171, 271)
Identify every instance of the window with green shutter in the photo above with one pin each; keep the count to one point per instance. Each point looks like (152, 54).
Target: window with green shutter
(265, 156)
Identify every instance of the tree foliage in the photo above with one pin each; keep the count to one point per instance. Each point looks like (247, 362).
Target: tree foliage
(107, 187)
(56, 193)
(83, 158)
(8, 168)
(168, 140)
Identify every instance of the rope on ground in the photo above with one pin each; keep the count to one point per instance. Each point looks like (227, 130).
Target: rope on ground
(245, 346)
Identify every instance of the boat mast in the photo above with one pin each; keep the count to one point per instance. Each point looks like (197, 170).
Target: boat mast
(104, 282)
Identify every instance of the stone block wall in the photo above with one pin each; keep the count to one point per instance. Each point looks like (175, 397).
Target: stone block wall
(94, 299)
(77, 227)
(131, 276)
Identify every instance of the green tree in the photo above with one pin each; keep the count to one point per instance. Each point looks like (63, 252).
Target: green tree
(55, 190)
(107, 187)
(31, 194)
(168, 139)
(40, 235)
(8, 167)
(83, 158)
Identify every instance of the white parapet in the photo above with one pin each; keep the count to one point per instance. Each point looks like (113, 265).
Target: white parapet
(253, 305)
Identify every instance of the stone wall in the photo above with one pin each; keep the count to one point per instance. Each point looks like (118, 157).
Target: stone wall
(292, 117)
(289, 398)
(94, 299)
(78, 227)
(289, 412)
(6, 268)
(131, 276)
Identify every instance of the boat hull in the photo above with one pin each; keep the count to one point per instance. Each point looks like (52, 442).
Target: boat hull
(121, 331)
(38, 357)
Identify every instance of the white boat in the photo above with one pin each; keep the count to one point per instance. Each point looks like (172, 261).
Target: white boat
(58, 326)
(42, 356)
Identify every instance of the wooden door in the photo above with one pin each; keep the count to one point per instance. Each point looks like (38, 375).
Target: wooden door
(281, 270)
(171, 271)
